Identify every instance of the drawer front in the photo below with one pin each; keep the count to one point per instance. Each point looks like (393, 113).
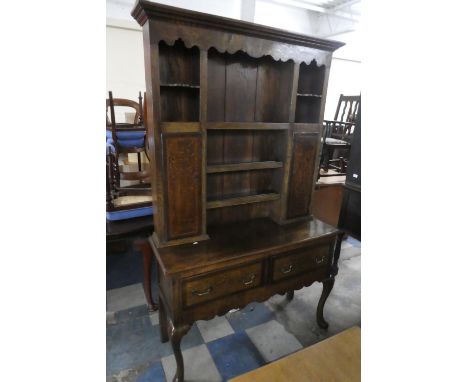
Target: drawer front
(219, 284)
(300, 261)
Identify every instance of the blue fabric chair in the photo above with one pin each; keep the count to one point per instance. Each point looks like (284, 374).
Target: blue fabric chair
(129, 214)
(127, 139)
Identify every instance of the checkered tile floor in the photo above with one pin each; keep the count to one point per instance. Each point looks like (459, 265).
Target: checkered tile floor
(238, 342)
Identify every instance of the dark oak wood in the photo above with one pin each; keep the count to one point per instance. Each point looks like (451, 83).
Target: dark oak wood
(183, 187)
(216, 285)
(247, 126)
(234, 115)
(300, 261)
(237, 201)
(213, 169)
(302, 174)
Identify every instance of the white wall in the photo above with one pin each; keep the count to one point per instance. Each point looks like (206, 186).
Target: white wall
(121, 9)
(345, 78)
(225, 8)
(345, 72)
(283, 17)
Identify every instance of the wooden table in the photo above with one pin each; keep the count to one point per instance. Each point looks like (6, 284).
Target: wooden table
(327, 199)
(125, 229)
(336, 359)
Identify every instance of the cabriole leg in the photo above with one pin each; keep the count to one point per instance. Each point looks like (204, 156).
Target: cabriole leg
(176, 336)
(327, 288)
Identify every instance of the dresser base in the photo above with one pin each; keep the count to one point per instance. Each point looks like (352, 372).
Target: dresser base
(241, 264)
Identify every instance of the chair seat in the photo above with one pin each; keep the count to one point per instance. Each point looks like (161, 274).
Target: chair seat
(127, 139)
(334, 141)
(131, 199)
(129, 214)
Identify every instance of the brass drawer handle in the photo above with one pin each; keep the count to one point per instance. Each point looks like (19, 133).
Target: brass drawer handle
(320, 260)
(204, 293)
(285, 271)
(250, 281)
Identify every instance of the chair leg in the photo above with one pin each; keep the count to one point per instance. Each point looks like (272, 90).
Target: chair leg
(326, 158)
(342, 165)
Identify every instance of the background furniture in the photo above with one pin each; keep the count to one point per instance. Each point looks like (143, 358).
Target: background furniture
(122, 139)
(129, 208)
(336, 359)
(327, 199)
(338, 134)
(234, 116)
(350, 215)
(129, 229)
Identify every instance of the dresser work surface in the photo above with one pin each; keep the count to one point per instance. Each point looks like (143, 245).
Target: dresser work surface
(242, 263)
(232, 242)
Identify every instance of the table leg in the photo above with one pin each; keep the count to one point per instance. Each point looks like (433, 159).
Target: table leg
(327, 288)
(177, 332)
(147, 253)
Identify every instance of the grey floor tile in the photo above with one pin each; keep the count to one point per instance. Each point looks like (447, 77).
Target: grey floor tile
(216, 328)
(199, 365)
(125, 298)
(154, 318)
(110, 318)
(130, 344)
(349, 252)
(345, 244)
(132, 313)
(272, 340)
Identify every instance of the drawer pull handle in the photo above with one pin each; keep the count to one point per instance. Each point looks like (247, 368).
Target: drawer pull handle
(287, 270)
(320, 260)
(204, 293)
(250, 281)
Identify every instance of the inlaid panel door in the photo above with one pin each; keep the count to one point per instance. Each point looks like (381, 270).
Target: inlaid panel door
(301, 180)
(183, 182)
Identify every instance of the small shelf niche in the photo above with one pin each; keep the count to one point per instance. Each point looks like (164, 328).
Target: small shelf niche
(179, 71)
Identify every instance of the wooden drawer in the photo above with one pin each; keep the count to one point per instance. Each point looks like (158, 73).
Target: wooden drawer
(300, 261)
(219, 284)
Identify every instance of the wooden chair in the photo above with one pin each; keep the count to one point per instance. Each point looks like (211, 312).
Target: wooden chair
(338, 135)
(126, 137)
(126, 202)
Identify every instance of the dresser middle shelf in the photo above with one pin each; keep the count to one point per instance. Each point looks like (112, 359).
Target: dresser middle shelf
(248, 166)
(237, 200)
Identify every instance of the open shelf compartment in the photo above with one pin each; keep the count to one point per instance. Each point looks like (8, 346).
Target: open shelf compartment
(179, 72)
